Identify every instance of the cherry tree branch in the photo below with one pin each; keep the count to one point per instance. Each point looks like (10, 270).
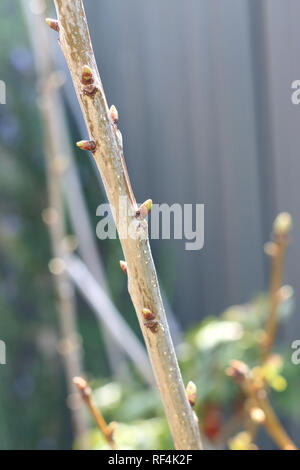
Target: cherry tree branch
(105, 143)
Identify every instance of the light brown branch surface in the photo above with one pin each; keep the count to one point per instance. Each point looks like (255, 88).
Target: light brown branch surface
(142, 279)
(87, 397)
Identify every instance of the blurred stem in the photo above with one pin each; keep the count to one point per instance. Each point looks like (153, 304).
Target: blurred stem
(274, 427)
(255, 391)
(277, 251)
(142, 279)
(87, 396)
(277, 267)
(69, 346)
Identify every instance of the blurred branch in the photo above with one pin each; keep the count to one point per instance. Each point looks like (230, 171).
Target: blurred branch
(70, 347)
(276, 250)
(258, 409)
(87, 397)
(142, 279)
(105, 309)
(261, 410)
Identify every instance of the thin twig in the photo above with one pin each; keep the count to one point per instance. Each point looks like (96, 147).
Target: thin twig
(255, 391)
(276, 250)
(142, 279)
(86, 395)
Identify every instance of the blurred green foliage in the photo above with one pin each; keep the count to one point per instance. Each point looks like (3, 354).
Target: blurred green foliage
(204, 356)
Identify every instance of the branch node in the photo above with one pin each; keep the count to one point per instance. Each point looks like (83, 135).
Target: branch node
(150, 320)
(88, 145)
(90, 90)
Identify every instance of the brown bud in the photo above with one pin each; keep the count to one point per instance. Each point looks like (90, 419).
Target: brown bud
(82, 387)
(144, 210)
(123, 266)
(90, 90)
(87, 145)
(114, 114)
(191, 393)
(87, 77)
(53, 24)
(152, 325)
(147, 314)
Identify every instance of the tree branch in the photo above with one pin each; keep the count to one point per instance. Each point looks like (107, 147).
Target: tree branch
(277, 251)
(54, 217)
(142, 279)
(87, 397)
(255, 391)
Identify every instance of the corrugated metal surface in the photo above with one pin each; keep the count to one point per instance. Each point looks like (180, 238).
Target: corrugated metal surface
(203, 91)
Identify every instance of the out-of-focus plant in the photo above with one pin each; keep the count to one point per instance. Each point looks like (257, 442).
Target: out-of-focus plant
(236, 334)
(205, 355)
(226, 415)
(245, 335)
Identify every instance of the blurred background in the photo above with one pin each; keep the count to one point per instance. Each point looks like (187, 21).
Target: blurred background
(203, 90)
